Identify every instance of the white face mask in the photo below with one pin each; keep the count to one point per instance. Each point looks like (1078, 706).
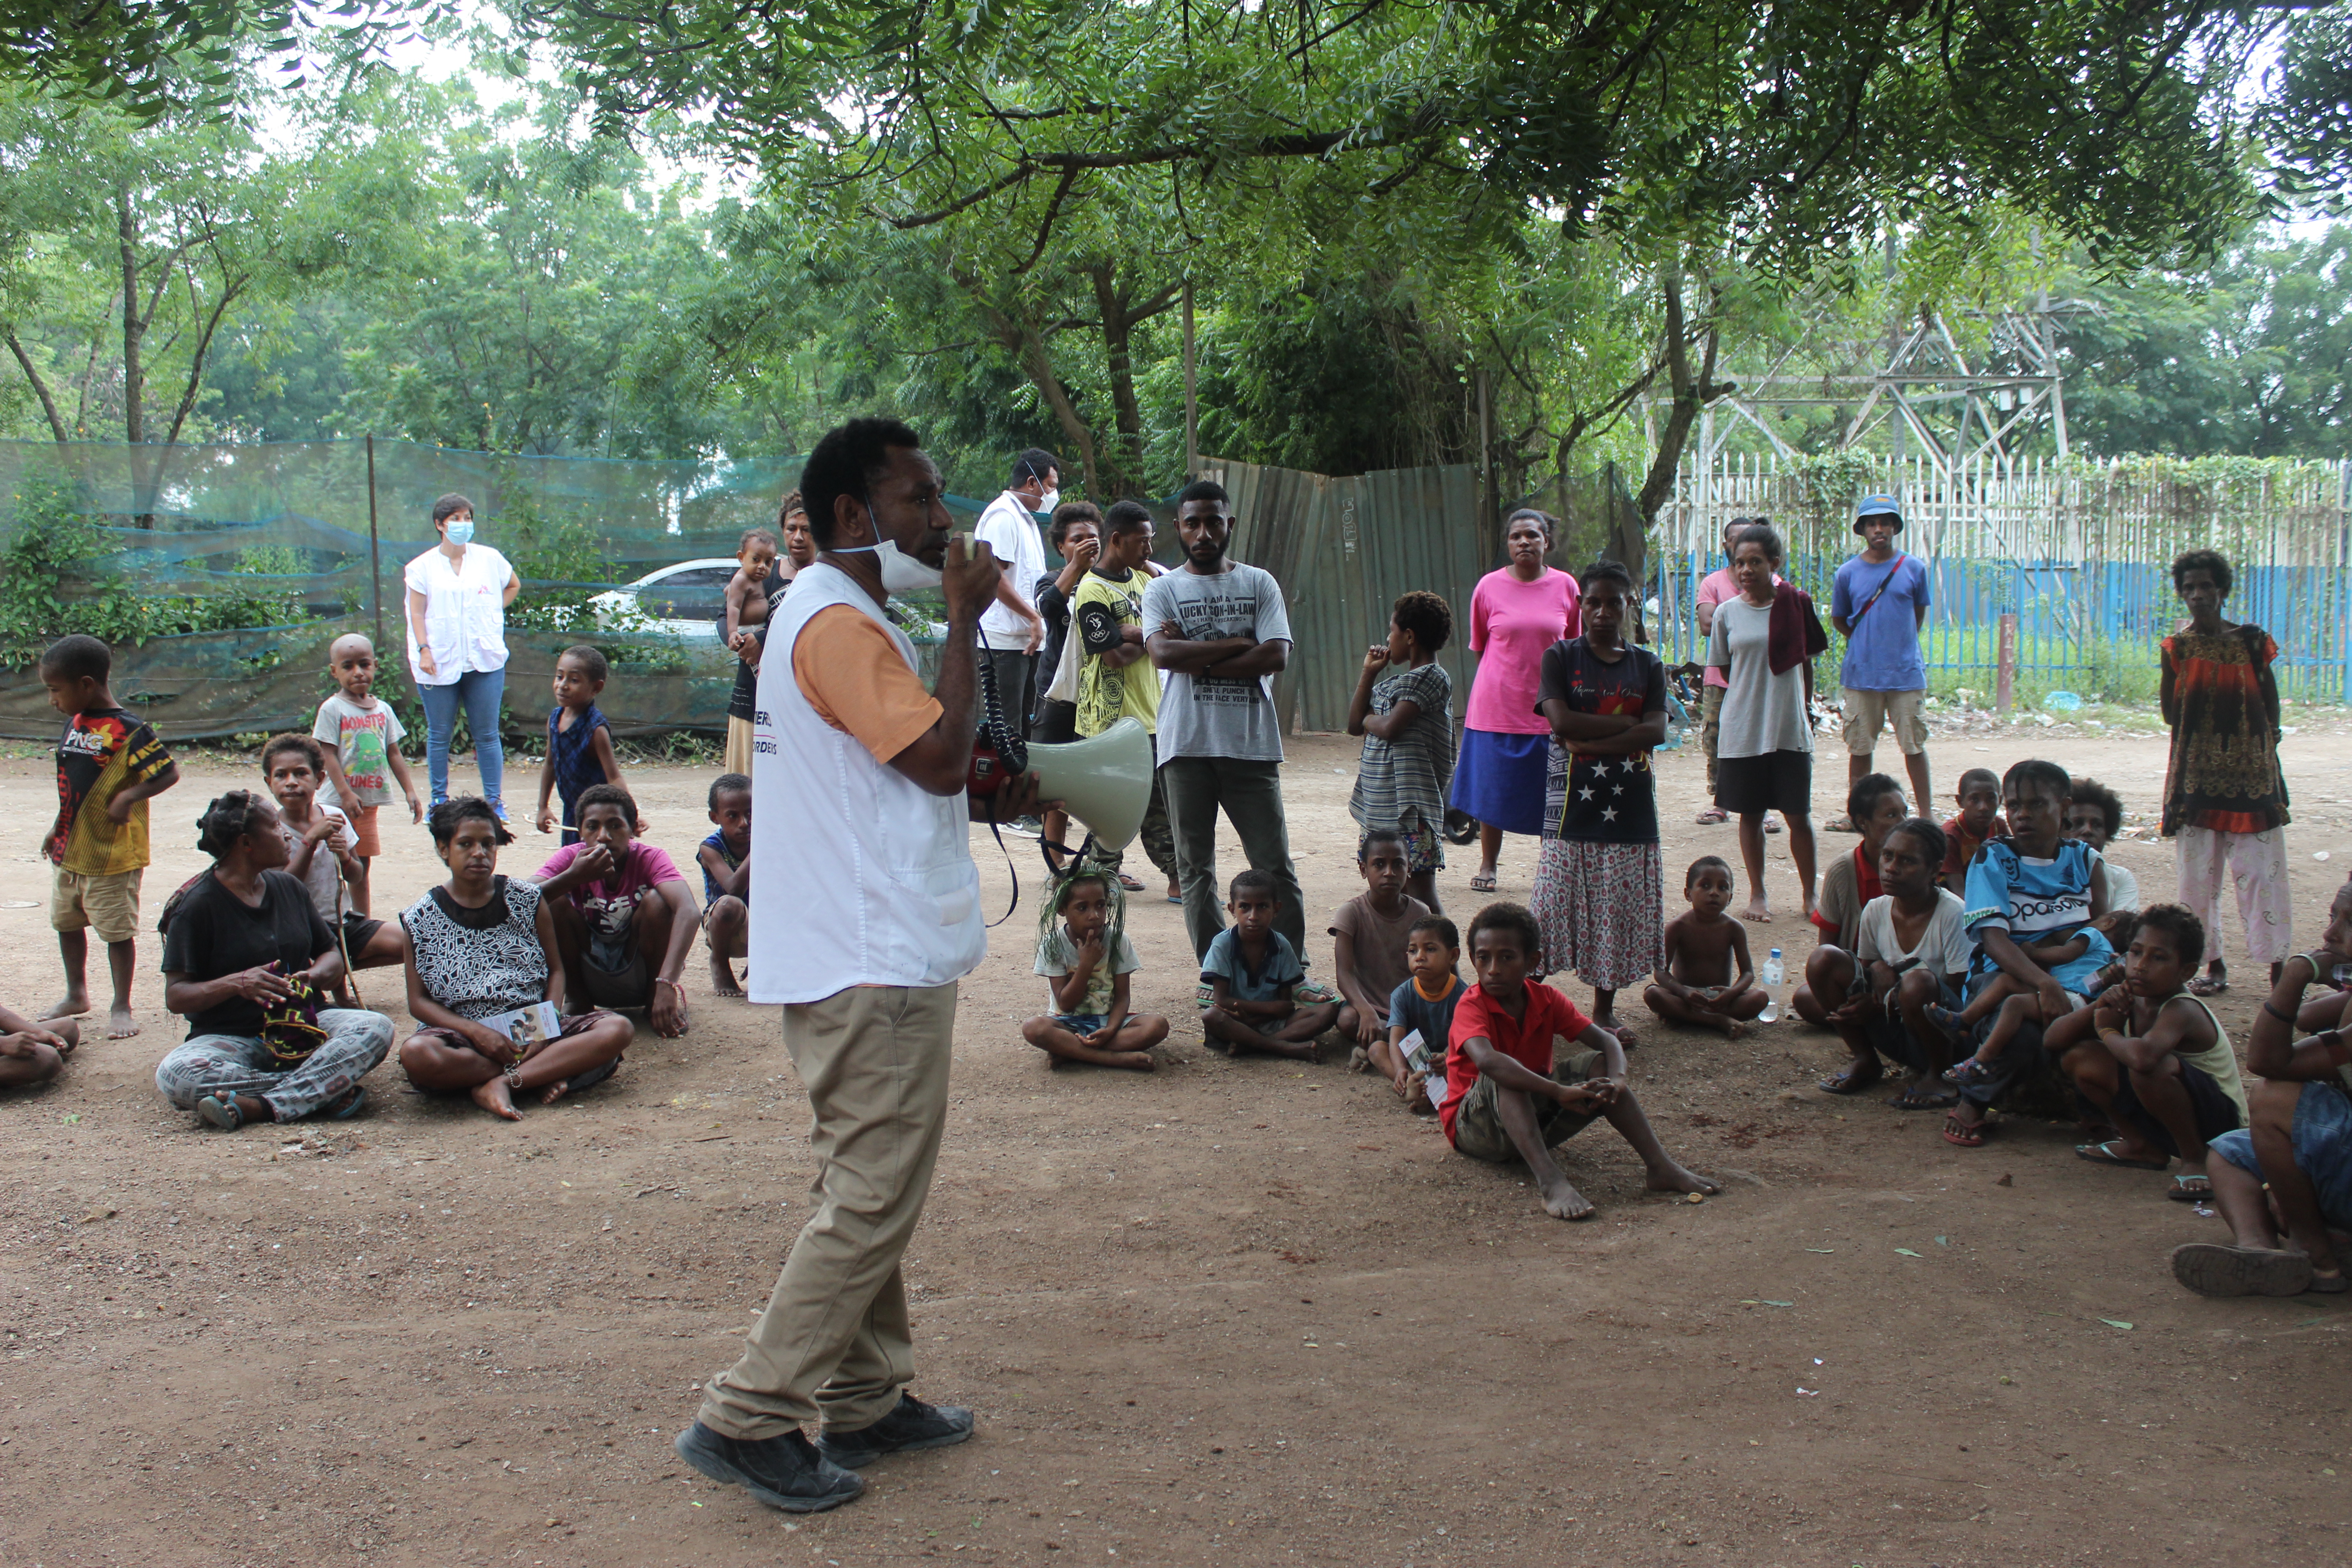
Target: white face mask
(1048, 501)
(901, 573)
(461, 530)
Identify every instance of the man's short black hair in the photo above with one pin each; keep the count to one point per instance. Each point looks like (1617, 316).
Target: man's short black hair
(848, 461)
(1037, 463)
(2203, 561)
(1439, 927)
(1709, 863)
(1204, 489)
(2033, 773)
(1426, 615)
(2091, 792)
(77, 656)
(1514, 919)
(1862, 798)
(1255, 881)
(727, 783)
(1126, 517)
(1987, 775)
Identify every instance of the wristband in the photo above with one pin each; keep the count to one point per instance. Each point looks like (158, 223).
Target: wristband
(2272, 1008)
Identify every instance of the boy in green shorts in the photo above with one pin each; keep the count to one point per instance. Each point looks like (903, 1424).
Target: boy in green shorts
(109, 763)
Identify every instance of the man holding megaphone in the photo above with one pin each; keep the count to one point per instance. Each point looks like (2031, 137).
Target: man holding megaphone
(864, 914)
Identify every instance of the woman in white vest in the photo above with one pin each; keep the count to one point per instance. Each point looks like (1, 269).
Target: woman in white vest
(865, 913)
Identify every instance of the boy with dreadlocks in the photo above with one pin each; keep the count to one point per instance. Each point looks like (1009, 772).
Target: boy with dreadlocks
(1086, 959)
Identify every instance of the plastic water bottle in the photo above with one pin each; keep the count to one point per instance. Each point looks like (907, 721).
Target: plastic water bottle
(1770, 978)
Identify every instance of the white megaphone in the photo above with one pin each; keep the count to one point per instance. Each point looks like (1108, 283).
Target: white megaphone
(1104, 781)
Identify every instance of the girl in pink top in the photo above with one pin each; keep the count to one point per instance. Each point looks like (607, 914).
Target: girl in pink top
(1514, 615)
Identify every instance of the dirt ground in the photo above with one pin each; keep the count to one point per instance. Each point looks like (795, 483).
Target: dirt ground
(1207, 1316)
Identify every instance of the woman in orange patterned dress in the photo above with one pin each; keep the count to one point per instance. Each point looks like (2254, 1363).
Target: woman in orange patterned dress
(2225, 803)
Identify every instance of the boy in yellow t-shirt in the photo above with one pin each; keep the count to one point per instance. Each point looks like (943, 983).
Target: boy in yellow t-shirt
(109, 762)
(1116, 680)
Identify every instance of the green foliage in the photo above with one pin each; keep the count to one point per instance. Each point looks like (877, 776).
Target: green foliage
(557, 557)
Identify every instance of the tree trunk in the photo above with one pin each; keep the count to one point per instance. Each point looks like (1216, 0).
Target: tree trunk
(134, 377)
(1037, 359)
(40, 389)
(1123, 463)
(1690, 394)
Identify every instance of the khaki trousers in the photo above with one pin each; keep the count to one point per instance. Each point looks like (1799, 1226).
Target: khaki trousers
(834, 1345)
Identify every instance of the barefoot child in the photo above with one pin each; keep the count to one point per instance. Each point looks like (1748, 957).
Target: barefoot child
(2154, 1060)
(481, 945)
(109, 763)
(1706, 978)
(362, 736)
(1966, 831)
(1423, 1005)
(322, 855)
(1912, 956)
(1403, 707)
(726, 860)
(1086, 959)
(1504, 1098)
(747, 592)
(624, 917)
(1368, 942)
(1250, 977)
(33, 1053)
(578, 741)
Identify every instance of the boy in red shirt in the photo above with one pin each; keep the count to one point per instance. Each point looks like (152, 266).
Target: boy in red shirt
(1503, 1095)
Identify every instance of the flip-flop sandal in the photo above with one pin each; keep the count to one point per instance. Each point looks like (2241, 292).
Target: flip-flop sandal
(2104, 1154)
(1712, 816)
(2328, 1284)
(2182, 1193)
(1627, 1039)
(2211, 1269)
(1848, 1083)
(1919, 1097)
(352, 1106)
(1840, 824)
(1482, 884)
(2206, 985)
(1177, 899)
(1961, 1135)
(591, 1078)
(1771, 825)
(1129, 883)
(220, 1111)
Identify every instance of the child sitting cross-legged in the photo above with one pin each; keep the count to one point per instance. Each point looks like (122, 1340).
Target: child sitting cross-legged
(1422, 1005)
(1367, 941)
(1504, 1096)
(1250, 980)
(32, 1051)
(1708, 978)
(2154, 1059)
(2081, 962)
(1086, 959)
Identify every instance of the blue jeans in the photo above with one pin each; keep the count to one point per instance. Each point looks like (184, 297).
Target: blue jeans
(480, 691)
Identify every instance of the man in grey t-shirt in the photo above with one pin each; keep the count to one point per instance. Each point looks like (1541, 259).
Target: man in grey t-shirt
(1220, 629)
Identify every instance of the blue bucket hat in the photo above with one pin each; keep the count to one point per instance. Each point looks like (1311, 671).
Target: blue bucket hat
(1878, 506)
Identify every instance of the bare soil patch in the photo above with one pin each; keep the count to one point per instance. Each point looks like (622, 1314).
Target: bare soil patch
(1224, 1313)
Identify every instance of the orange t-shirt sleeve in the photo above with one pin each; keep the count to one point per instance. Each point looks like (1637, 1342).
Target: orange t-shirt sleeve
(850, 672)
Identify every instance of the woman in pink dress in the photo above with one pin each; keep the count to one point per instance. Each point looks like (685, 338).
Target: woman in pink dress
(1516, 614)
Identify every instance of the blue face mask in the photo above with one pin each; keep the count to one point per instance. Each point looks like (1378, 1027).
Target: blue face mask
(461, 530)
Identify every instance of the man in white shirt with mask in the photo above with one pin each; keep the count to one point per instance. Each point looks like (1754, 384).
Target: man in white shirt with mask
(1011, 630)
(864, 914)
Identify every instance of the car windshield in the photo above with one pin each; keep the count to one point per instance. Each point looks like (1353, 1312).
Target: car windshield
(697, 593)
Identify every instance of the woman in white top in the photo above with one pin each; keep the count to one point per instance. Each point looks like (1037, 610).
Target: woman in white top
(1764, 641)
(457, 596)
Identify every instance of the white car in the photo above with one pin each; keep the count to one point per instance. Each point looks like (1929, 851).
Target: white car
(683, 601)
(686, 601)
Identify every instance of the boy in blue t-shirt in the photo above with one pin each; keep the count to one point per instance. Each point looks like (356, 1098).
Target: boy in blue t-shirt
(1422, 1005)
(726, 860)
(1255, 994)
(2032, 887)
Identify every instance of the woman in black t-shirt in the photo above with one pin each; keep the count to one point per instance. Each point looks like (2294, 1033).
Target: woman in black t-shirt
(245, 961)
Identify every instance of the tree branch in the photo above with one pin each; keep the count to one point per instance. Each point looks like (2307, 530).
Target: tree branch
(40, 388)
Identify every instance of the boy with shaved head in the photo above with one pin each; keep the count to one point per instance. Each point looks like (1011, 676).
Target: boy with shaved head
(361, 736)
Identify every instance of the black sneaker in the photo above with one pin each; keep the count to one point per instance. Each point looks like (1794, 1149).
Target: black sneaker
(913, 1425)
(784, 1471)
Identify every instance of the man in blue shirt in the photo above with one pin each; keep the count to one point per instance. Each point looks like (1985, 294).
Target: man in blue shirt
(1879, 605)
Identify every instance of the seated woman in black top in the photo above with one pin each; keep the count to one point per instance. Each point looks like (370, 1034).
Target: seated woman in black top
(245, 961)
